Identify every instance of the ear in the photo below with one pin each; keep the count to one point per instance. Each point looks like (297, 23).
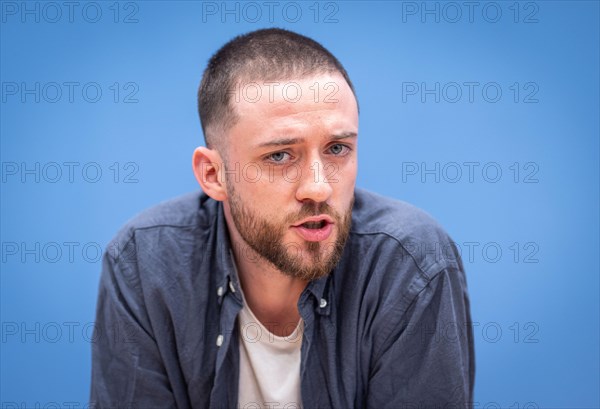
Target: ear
(206, 164)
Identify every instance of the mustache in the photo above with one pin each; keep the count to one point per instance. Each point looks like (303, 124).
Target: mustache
(315, 209)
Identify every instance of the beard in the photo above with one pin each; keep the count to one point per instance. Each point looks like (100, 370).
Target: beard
(265, 236)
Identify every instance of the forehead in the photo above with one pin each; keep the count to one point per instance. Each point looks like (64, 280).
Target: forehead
(311, 107)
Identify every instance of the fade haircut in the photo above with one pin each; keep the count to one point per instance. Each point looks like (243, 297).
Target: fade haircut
(266, 55)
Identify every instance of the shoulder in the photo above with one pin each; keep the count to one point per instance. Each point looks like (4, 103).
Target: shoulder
(412, 230)
(179, 211)
(406, 263)
(185, 213)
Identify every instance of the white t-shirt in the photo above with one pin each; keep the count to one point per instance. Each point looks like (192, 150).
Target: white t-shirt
(269, 365)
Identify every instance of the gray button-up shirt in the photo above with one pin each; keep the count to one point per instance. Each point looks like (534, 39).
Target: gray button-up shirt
(388, 328)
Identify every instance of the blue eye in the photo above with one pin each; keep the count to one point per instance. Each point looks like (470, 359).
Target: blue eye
(277, 156)
(338, 149)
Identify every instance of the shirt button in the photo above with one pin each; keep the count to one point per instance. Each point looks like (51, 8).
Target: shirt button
(220, 340)
(231, 287)
(220, 291)
(323, 303)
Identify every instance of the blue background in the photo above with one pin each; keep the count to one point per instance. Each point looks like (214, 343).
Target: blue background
(529, 238)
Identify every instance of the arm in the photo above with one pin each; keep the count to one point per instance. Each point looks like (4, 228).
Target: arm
(427, 358)
(127, 370)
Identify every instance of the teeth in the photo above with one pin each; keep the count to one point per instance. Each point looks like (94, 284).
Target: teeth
(313, 225)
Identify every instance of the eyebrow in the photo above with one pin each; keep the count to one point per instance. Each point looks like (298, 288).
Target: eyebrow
(294, 141)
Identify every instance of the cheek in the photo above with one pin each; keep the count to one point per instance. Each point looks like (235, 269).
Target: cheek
(267, 199)
(346, 185)
(346, 176)
(278, 187)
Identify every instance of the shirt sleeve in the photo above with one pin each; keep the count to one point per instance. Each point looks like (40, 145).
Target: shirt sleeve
(427, 359)
(127, 370)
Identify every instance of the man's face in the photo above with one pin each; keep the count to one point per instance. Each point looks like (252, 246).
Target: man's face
(292, 155)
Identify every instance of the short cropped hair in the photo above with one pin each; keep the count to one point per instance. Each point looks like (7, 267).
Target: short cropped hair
(267, 55)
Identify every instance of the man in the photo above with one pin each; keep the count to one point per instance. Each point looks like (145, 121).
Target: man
(281, 285)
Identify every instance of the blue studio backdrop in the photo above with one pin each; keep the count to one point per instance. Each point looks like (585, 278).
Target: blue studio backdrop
(485, 114)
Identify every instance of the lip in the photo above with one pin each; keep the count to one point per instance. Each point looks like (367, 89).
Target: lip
(318, 218)
(314, 234)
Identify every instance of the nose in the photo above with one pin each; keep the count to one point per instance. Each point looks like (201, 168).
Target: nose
(314, 184)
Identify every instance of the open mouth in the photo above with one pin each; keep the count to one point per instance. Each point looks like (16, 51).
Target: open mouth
(317, 228)
(314, 225)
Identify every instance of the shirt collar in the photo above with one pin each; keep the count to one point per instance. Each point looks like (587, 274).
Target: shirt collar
(227, 278)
